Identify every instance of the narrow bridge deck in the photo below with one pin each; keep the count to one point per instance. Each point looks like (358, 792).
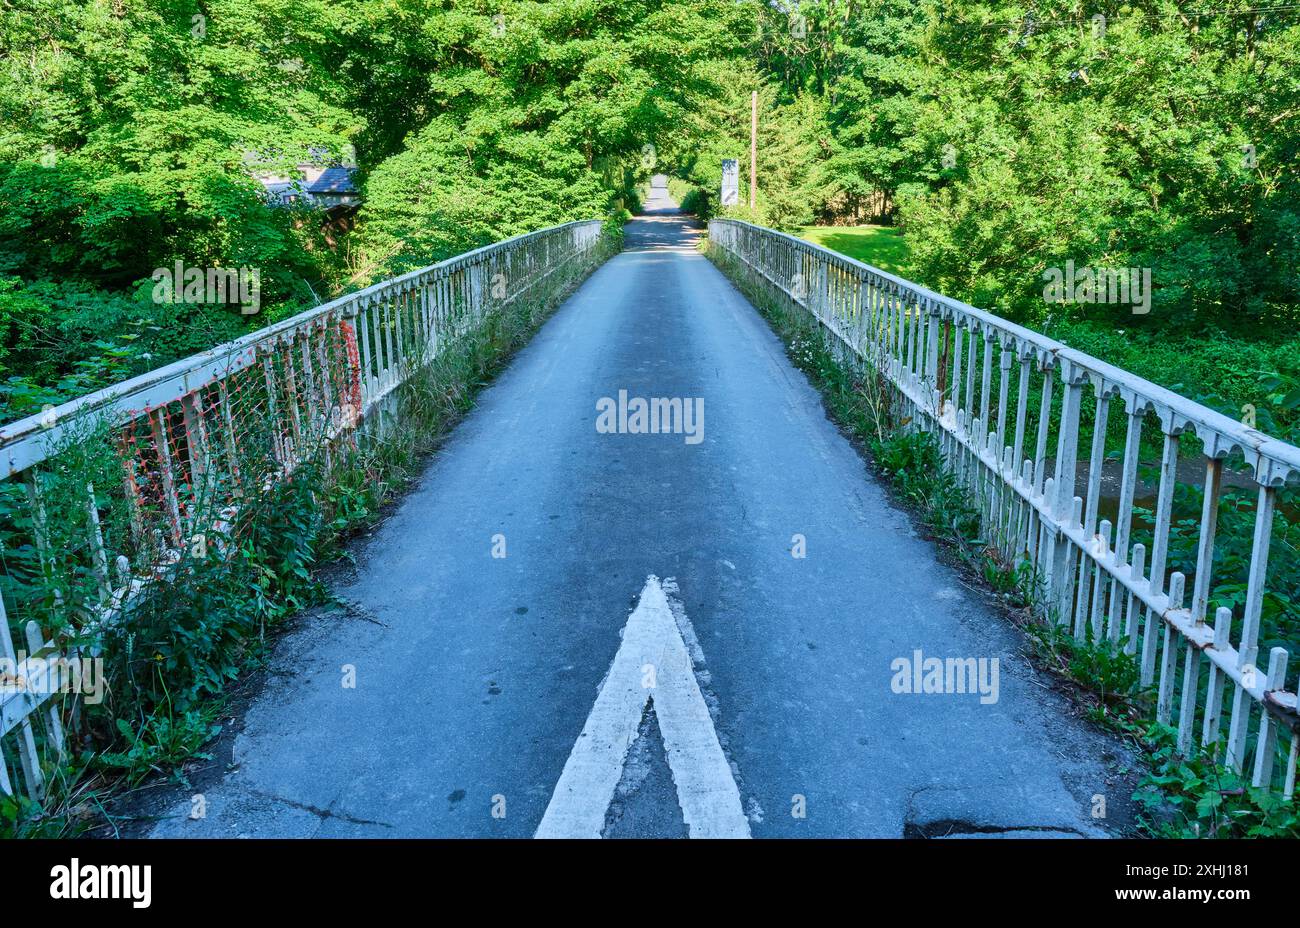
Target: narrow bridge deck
(477, 674)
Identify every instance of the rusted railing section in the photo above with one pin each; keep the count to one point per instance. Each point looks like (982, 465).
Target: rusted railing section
(975, 380)
(191, 441)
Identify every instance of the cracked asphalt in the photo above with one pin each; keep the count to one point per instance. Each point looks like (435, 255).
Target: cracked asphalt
(474, 674)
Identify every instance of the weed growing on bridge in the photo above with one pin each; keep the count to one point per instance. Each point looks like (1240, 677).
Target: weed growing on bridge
(913, 461)
(1107, 674)
(1196, 797)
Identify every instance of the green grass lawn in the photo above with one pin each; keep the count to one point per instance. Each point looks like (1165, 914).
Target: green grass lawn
(879, 246)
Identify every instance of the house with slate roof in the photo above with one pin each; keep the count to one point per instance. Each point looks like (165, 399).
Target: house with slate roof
(326, 187)
(333, 189)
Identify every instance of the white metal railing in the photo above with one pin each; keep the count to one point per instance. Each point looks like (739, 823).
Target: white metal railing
(953, 366)
(191, 439)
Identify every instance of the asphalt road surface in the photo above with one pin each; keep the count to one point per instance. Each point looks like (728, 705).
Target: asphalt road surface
(650, 657)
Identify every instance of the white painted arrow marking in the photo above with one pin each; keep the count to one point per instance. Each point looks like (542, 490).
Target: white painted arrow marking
(706, 789)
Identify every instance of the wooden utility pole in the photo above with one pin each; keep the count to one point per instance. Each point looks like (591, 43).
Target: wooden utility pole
(753, 148)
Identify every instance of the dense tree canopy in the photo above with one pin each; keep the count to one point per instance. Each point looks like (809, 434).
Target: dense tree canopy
(131, 131)
(536, 116)
(1003, 138)
(1011, 137)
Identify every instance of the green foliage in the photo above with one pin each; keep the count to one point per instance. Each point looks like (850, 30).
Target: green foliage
(880, 246)
(23, 817)
(1009, 138)
(1195, 797)
(699, 202)
(792, 135)
(1014, 582)
(44, 576)
(191, 636)
(128, 131)
(696, 201)
(545, 122)
(132, 133)
(1223, 371)
(161, 744)
(1102, 668)
(1233, 544)
(64, 339)
(913, 461)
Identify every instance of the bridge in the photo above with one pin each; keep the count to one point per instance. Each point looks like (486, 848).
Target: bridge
(647, 587)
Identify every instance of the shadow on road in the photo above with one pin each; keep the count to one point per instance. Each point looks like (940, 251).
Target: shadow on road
(661, 225)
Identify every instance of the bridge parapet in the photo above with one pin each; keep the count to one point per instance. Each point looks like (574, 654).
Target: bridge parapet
(105, 496)
(951, 368)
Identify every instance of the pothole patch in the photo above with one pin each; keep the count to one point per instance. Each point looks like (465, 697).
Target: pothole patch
(956, 828)
(997, 809)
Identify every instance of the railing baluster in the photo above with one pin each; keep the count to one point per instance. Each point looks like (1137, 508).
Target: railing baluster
(40, 529)
(1248, 648)
(1044, 423)
(1214, 683)
(1288, 788)
(900, 346)
(98, 556)
(292, 399)
(1004, 388)
(33, 776)
(934, 323)
(1136, 567)
(970, 371)
(369, 382)
(1025, 530)
(53, 724)
(956, 369)
(310, 393)
(1257, 577)
(1099, 582)
(1022, 403)
(375, 306)
(913, 337)
(1061, 560)
(273, 410)
(400, 299)
(1169, 652)
(1266, 740)
(1097, 460)
(162, 447)
(130, 487)
(1164, 510)
(228, 436)
(6, 786)
(1205, 546)
(986, 380)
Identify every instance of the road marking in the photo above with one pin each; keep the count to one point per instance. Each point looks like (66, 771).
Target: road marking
(706, 789)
